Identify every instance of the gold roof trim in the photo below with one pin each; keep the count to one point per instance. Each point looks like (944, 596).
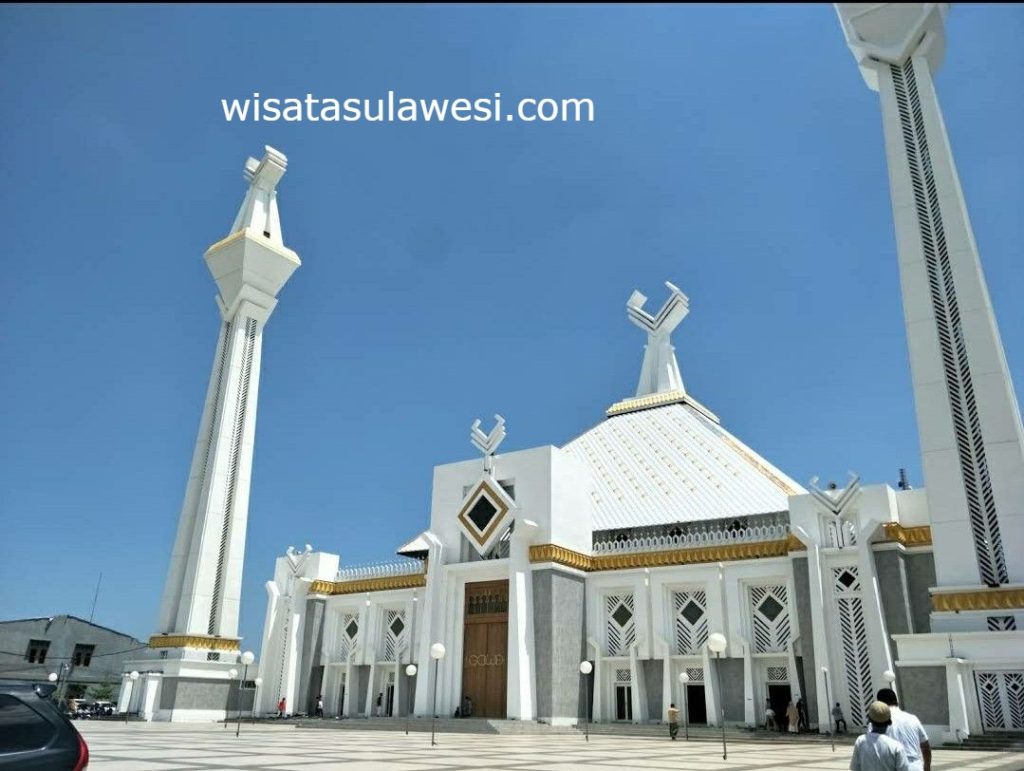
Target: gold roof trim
(645, 402)
(202, 642)
(908, 536)
(727, 552)
(978, 599)
(381, 584)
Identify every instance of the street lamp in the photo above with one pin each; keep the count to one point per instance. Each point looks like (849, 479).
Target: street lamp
(684, 678)
(131, 692)
(232, 674)
(717, 644)
(436, 653)
(247, 658)
(828, 704)
(258, 682)
(890, 677)
(410, 672)
(585, 669)
(52, 677)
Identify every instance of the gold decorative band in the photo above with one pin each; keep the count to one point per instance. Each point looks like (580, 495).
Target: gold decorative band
(202, 642)
(729, 552)
(908, 536)
(645, 402)
(382, 584)
(978, 599)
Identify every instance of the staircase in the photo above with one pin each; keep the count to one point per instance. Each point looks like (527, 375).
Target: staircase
(520, 727)
(1003, 742)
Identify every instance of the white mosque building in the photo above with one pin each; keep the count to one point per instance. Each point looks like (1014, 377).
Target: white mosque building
(656, 549)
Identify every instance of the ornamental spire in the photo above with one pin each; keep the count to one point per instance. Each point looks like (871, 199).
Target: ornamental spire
(259, 209)
(660, 371)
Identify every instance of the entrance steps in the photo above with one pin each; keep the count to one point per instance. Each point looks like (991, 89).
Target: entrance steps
(1001, 742)
(527, 727)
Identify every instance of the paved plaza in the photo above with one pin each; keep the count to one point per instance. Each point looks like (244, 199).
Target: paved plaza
(176, 747)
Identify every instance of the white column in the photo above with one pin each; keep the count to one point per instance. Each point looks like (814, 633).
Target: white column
(125, 694)
(430, 621)
(749, 714)
(959, 724)
(815, 570)
(521, 662)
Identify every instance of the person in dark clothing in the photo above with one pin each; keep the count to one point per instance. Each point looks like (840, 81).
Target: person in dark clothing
(801, 708)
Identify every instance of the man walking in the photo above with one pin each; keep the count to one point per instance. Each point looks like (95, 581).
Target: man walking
(908, 731)
(801, 708)
(673, 721)
(280, 707)
(874, 751)
(769, 716)
(320, 706)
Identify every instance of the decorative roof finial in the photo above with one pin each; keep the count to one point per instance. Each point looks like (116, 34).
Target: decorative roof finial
(259, 209)
(488, 443)
(660, 372)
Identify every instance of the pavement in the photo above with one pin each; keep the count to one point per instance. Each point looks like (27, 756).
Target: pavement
(141, 746)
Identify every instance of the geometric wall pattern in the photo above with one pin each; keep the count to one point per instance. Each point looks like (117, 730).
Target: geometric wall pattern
(394, 634)
(846, 589)
(770, 611)
(1001, 698)
(620, 624)
(691, 622)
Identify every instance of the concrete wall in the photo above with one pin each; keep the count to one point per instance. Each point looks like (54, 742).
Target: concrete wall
(808, 675)
(559, 643)
(360, 682)
(732, 688)
(651, 671)
(202, 693)
(312, 648)
(923, 692)
(920, 577)
(64, 633)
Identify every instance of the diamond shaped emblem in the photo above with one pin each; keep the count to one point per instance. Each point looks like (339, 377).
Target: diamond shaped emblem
(622, 615)
(352, 629)
(692, 612)
(483, 512)
(771, 608)
(397, 626)
(847, 579)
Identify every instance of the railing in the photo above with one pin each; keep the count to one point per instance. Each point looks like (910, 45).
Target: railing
(701, 536)
(381, 570)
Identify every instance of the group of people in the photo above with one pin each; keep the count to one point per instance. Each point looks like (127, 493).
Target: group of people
(796, 718)
(895, 740)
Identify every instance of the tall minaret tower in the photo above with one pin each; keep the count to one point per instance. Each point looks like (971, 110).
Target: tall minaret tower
(968, 420)
(199, 611)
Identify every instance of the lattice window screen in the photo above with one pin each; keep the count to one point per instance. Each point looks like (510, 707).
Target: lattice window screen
(696, 674)
(1002, 623)
(846, 589)
(691, 621)
(348, 636)
(770, 612)
(620, 624)
(778, 674)
(394, 634)
(1001, 698)
(622, 676)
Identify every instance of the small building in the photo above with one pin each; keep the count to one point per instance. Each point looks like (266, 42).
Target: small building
(81, 653)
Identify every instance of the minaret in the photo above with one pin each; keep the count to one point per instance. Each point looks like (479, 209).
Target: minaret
(660, 371)
(200, 604)
(969, 424)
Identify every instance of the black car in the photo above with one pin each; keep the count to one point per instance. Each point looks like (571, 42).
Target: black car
(34, 734)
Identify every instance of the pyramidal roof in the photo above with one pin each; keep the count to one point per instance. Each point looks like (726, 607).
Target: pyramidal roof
(662, 457)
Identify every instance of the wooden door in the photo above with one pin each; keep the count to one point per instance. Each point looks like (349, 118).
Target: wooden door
(485, 648)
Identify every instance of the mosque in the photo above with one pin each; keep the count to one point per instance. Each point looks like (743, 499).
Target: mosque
(654, 558)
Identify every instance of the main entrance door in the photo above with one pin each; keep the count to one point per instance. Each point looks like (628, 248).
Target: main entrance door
(484, 648)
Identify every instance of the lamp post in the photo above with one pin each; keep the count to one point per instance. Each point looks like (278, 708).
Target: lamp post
(684, 678)
(247, 658)
(258, 682)
(232, 674)
(131, 692)
(585, 669)
(436, 653)
(828, 704)
(717, 643)
(410, 672)
(890, 677)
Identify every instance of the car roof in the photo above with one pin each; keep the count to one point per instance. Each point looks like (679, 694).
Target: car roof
(43, 690)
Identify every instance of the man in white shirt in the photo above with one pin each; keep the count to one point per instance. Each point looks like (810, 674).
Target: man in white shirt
(908, 731)
(874, 751)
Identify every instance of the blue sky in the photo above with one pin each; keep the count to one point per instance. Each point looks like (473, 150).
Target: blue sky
(450, 271)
